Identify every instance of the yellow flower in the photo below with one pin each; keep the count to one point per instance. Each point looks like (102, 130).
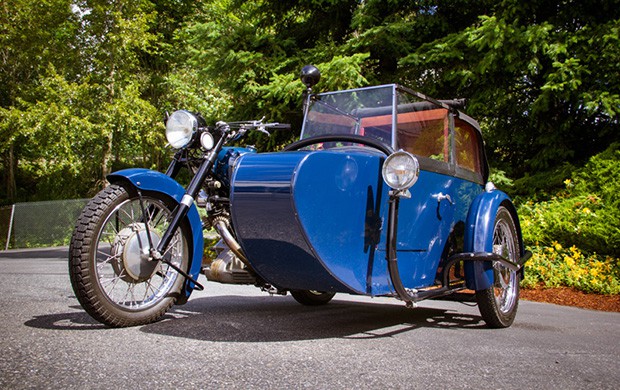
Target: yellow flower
(557, 246)
(593, 272)
(567, 182)
(569, 261)
(586, 210)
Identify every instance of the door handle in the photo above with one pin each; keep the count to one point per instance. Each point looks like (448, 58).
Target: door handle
(441, 196)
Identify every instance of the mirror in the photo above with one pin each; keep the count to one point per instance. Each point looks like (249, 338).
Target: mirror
(310, 75)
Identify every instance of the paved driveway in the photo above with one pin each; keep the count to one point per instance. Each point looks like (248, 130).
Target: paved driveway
(238, 337)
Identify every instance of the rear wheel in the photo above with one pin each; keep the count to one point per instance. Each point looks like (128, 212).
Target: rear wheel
(111, 274)
(498, 303)
(311, 297)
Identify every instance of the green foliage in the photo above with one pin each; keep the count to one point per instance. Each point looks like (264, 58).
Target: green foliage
(556, 266)
(542, 76)
(499, 178)
(586, 214)
(532, 73)
(575, 235)
(74, 114)
(542, 185)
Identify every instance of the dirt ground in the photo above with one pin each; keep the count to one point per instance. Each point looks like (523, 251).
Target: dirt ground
(571, 297)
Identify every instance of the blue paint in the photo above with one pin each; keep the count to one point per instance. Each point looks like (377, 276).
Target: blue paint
(266, 224)
(316, 220)
(338, 194)
(153, 181)
(479, 237)
(226, 159)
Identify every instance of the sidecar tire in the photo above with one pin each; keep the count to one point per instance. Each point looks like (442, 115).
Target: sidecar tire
(88, 246)
(312, 298)
(498, 304)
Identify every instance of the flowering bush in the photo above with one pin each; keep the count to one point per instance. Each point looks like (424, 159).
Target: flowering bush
(556, 266)
(575, 236)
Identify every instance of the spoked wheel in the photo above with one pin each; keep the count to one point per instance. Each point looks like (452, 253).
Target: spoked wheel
(311, 297)
(498, 303)
(111, 274)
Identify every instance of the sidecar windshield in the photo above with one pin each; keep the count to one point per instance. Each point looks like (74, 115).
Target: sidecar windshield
(388, 113)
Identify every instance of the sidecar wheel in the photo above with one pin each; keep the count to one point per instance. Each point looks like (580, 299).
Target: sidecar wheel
(111, 275)
(498, 303)
(311, 297)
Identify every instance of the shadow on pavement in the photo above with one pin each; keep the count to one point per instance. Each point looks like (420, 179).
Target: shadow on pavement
(271, 319)
(65, 321)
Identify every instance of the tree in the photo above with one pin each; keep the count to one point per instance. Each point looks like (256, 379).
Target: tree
(544, 77)
(34, 34)
(252, 52)
(76, 97)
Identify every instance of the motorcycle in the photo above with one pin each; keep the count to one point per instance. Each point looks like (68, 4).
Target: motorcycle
(312, 220)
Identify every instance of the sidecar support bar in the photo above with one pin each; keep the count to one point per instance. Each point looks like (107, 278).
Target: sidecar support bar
(409, 296)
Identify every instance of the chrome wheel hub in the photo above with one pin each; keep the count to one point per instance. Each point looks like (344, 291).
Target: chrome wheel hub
(131, 246)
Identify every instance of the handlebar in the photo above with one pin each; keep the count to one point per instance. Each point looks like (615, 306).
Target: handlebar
(244, 126)
(236, 130)
(257, 125)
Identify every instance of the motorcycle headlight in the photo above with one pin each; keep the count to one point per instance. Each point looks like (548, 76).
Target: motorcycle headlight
(180, 128)
(401, 170)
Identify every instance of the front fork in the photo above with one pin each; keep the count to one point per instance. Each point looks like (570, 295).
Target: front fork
(156, 254)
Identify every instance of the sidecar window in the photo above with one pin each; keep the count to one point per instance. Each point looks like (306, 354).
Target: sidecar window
(468, 147)
(425, 133)
(422, 127)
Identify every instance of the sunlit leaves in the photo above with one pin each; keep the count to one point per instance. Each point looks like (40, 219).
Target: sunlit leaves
(543, 75)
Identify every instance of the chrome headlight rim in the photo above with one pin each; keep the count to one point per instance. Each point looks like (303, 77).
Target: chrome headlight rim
(400, 170)
(181, 128)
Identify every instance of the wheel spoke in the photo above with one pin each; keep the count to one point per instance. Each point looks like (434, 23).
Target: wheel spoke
(125, 234)
(108, 259)
(505, 278)
(111, 275)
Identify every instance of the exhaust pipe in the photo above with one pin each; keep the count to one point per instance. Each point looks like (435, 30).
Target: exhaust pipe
(222, 228)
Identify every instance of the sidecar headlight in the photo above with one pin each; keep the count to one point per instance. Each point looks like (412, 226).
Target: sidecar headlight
(401, 170)
(180, 128)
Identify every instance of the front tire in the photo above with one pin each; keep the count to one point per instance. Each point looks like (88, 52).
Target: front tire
(498, 303)
(311, 297)
(110, 272)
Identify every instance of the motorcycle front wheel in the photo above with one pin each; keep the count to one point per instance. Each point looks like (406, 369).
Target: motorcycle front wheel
(111, 273)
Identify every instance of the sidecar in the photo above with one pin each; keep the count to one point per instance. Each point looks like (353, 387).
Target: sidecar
(385, 194)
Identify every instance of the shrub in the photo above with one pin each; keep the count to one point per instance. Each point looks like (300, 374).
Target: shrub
(586, 214)
(556, 266)
(585, 218)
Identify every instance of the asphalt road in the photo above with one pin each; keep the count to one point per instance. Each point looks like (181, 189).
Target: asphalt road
(239, 337)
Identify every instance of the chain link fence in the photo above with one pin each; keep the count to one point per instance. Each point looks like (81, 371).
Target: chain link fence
(39, 224)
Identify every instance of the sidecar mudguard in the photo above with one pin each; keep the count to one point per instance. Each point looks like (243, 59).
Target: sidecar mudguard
(153, 181)
(479, 236)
